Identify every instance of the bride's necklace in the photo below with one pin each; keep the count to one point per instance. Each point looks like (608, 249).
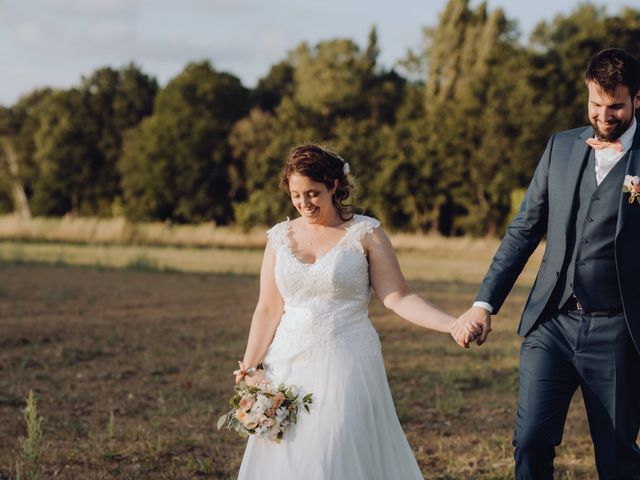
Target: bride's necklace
(318, 238)
(306, 234)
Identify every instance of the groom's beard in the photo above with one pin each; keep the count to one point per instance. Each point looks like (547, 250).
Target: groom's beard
(620, 128)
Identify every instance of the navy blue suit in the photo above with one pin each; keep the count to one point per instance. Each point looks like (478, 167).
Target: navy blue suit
(592, 252)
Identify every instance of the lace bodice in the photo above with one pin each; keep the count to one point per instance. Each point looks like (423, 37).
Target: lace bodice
(325, 301)
(341, 274)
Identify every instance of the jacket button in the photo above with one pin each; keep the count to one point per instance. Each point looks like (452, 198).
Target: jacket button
(589, 219)
(580, 263)
(595, 197)
(583, 242)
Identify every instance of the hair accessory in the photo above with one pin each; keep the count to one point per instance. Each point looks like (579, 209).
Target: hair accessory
(345, 166)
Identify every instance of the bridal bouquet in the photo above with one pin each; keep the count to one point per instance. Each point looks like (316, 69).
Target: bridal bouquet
(263, 411)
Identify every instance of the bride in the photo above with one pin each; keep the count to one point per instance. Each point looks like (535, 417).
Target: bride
(311, 329)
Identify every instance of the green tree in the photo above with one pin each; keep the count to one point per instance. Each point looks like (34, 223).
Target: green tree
(78, 139)
(471, 123)
(260, 144)
(6, 195)
(273, 87)
(333, 78)
(18, 125)
(117, 100)
(65, 144)
(176, 165)
(339, 98)
(408, 188)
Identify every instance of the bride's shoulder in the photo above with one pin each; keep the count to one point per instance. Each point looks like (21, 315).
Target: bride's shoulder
(363, 224)
(366, 220)
(278, 232)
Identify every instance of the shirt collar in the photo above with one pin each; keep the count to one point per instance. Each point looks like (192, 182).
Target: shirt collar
(627, 137)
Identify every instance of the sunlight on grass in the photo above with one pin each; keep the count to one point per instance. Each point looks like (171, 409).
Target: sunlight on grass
(442, 260)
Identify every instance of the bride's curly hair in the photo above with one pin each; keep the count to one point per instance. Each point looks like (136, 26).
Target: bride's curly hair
(323, 166)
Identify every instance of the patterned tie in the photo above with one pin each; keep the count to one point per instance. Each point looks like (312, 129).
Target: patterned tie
(602, 144)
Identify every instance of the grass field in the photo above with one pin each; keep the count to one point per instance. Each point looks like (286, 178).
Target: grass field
(130, 367)
(458, 260)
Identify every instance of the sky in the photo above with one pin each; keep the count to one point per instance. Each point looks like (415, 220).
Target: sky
(55, 42)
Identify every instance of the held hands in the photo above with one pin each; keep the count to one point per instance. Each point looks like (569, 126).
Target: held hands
(474, 324)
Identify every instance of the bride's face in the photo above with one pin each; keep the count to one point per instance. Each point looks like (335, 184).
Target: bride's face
(312, 199)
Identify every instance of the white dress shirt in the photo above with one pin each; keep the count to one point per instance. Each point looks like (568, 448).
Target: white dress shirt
(606, 159)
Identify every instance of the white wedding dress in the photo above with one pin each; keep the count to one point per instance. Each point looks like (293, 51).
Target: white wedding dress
(326, 344)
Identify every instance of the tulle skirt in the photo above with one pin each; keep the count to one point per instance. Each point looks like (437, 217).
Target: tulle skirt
(352, 432)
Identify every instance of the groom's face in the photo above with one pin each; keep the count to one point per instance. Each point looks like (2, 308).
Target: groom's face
(611, 115)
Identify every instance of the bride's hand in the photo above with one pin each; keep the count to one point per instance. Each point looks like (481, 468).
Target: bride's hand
(473, 331)
(254, 378)
(251, 376)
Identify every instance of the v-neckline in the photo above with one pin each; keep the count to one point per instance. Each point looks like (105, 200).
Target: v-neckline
(348, 225)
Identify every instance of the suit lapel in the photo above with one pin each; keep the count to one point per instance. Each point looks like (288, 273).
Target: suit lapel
(575, 164)
(633, 169)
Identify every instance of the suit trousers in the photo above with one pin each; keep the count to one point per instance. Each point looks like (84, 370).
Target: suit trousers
(593, 352)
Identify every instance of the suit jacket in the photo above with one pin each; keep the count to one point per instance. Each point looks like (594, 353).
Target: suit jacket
(546, 209)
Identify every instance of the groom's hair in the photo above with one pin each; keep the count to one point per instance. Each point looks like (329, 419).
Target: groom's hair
(612, 67)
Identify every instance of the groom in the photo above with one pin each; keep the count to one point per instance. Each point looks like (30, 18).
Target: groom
(581, 322)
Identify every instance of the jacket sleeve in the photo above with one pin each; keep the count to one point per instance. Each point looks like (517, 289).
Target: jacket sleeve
(523, 236)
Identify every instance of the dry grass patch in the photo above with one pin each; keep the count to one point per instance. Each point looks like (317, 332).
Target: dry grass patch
(461, 261)
(118, 230)
(131, 369)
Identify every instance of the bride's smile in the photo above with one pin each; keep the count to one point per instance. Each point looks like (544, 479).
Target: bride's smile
(313, 200)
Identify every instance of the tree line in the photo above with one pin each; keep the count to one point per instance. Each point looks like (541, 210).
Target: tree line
(443, 142)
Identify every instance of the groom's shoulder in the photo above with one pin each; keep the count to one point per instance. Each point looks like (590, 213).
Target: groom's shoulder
(571, 135)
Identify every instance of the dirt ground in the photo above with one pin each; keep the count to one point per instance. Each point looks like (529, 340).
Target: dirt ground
(131, 369)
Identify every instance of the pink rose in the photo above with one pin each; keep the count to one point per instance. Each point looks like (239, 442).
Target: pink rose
(267, 423)
(246, 402)
(278, 398)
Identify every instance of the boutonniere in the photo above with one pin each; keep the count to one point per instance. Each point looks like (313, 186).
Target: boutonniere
(632, 185)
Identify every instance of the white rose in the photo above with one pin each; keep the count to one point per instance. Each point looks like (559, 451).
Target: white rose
(267, 423)
(262, 405)
(251, 421)
(629, 180)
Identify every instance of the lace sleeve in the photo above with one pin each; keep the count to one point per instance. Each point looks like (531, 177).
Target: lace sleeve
(369, 224)
(364, 225)
(278, 234)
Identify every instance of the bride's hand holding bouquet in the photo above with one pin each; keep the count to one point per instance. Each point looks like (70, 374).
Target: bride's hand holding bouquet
(251, 376)
(261, 410)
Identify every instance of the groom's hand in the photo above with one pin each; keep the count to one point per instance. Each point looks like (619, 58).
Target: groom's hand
(465, 332)
(476, 319)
